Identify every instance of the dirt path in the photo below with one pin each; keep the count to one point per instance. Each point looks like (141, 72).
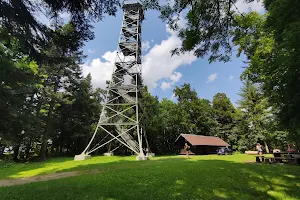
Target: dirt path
(21, 181)
(58, 175)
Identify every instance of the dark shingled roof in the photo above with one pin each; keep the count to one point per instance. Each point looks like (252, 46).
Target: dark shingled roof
(196, 140)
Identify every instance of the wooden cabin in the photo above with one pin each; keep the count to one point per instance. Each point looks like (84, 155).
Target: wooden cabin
(199, 144)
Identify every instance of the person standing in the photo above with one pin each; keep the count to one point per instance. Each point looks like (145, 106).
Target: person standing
(259, 148)
(187, 148)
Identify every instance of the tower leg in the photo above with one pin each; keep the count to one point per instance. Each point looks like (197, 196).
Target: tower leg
(142, 156)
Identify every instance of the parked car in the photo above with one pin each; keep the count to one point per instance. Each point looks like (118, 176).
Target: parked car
(224, 151)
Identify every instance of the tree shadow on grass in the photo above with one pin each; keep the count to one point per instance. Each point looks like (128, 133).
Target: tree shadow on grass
(10, 170)
(170, 179)
(56, 165)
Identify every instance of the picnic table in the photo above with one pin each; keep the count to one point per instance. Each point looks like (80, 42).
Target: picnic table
(282, 157)
(290, 157)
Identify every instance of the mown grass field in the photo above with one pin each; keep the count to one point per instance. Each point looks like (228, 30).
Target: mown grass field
(172, 177)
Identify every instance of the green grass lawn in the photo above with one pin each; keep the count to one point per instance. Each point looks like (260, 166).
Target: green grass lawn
(173, 177)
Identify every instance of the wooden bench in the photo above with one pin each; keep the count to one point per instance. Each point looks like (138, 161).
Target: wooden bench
(289, 159)
(251, 152)
(259, 158)
(270, 159)
(264, 159)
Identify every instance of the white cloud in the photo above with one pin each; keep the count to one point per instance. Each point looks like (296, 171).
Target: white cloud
(100, 70)
(230, 77)
(174, 78)
(242, 6)
(145, 45)
(165, 85)
(110, 56)
(212, 77)
(90, 51)
(159, 64)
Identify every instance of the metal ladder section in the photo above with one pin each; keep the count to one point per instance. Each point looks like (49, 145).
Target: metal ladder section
(127, 138)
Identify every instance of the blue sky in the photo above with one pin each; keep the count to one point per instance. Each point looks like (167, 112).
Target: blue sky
(161, 72)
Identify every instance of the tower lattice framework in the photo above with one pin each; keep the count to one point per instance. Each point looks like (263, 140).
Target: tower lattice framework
(121, 113)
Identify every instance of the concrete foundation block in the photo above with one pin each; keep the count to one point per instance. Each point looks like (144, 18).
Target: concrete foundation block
(108, 154)
(82, 157)
(142, 158)
(151, 154)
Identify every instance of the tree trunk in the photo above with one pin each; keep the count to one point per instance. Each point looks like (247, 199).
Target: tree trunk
(48, 128)
(266, 146)
(47, 131)
(16, 152)
(27, 151)
(1, 151)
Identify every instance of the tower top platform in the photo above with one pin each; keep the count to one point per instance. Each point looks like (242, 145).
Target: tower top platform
(132, 5)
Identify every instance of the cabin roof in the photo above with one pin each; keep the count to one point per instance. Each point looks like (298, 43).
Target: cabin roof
(197, 140)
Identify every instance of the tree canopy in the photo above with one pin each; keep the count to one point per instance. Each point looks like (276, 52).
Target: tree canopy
(271, 45)
(19, 19)
(208, 26)
(224, 113)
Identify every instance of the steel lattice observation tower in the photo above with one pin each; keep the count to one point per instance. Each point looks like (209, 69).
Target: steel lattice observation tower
(121, 114)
